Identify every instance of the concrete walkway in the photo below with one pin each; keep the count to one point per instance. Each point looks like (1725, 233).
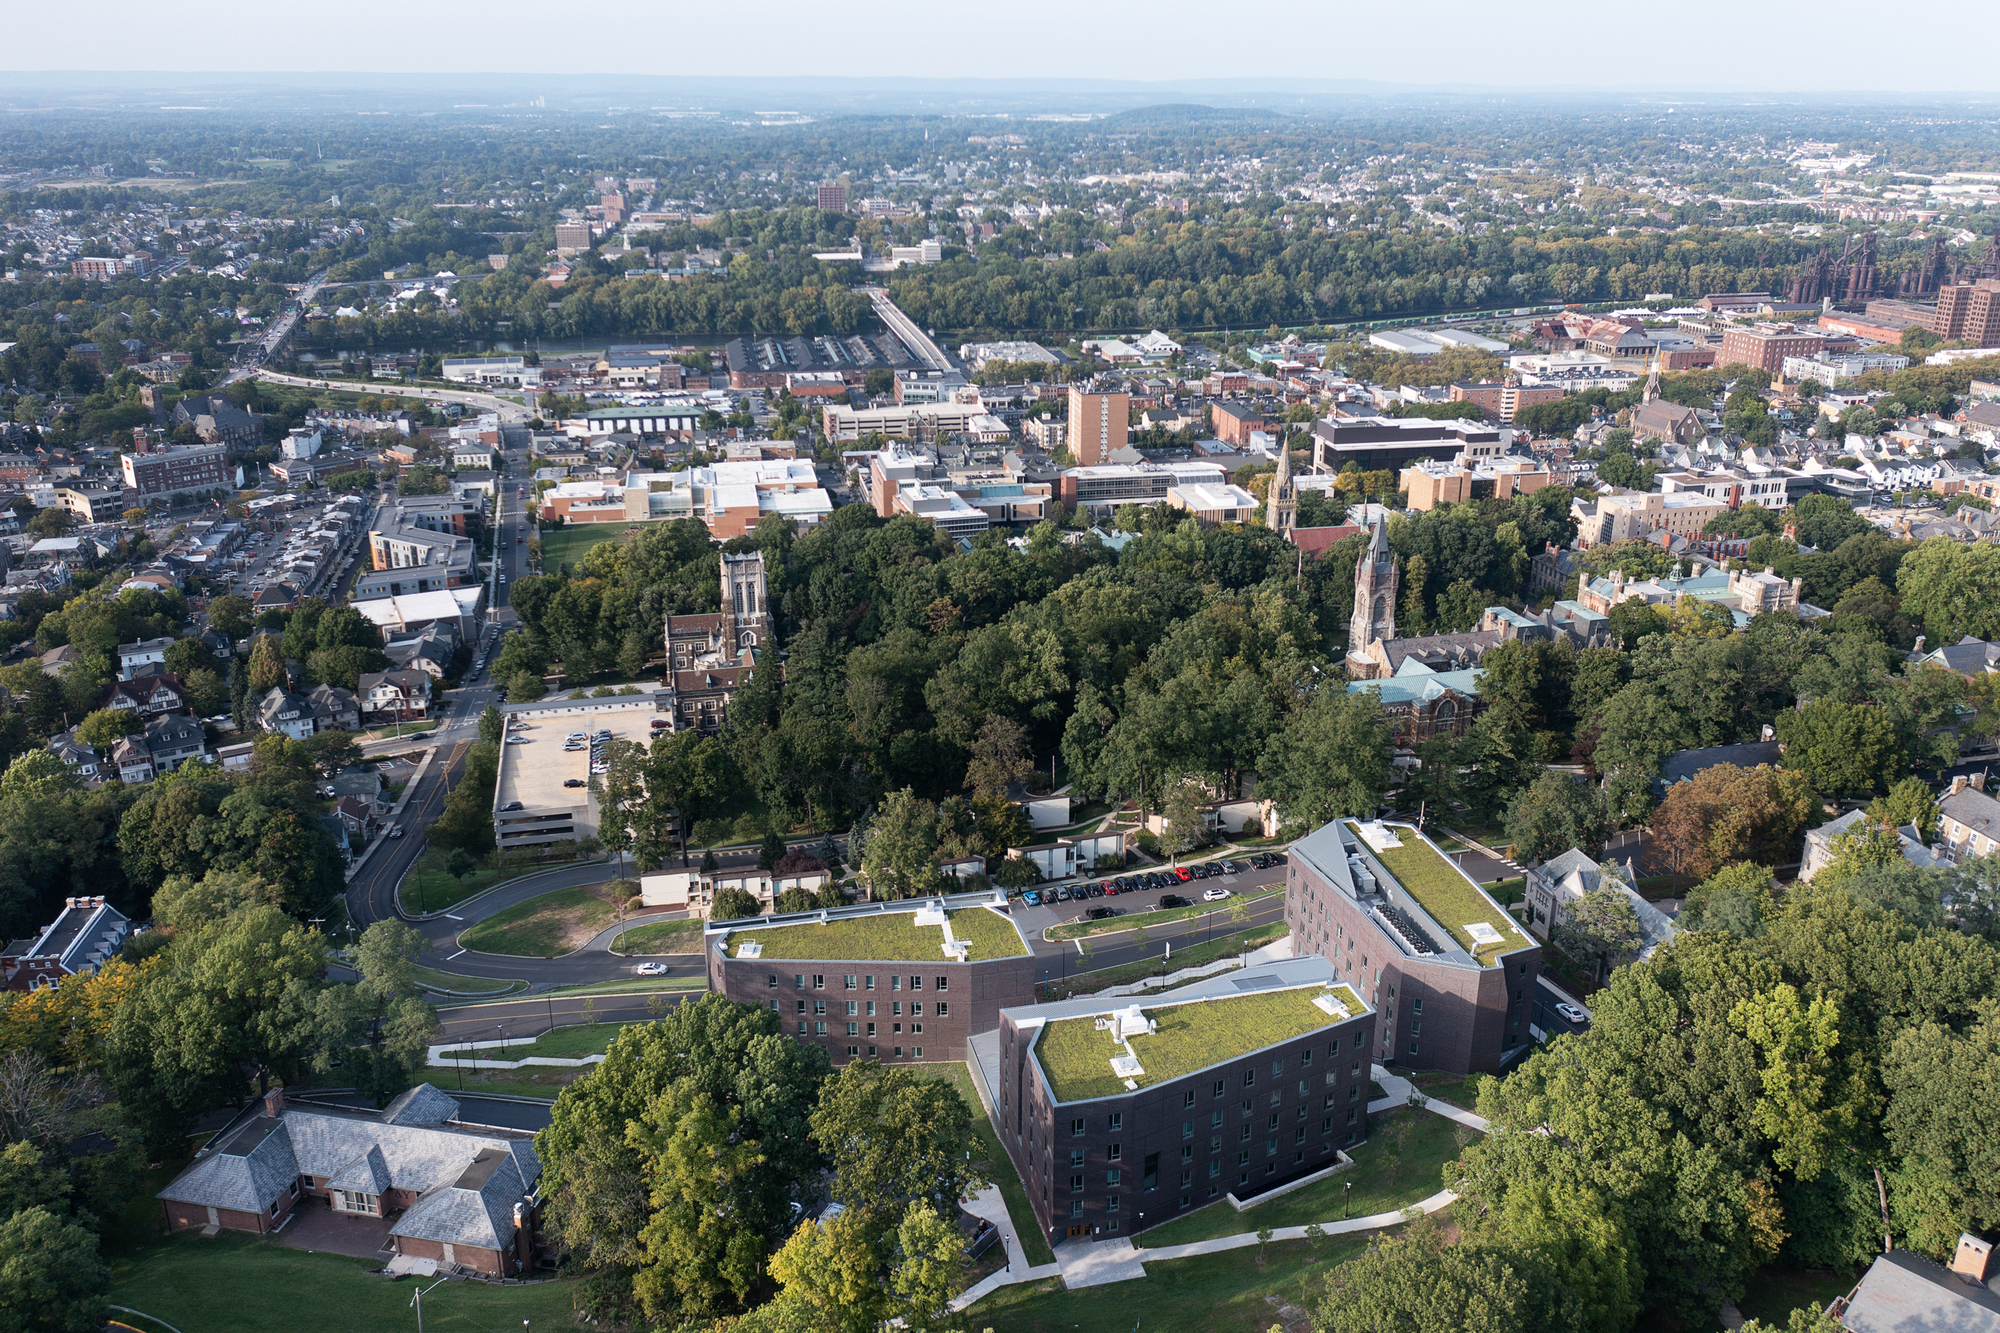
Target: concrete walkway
(1098, 1263)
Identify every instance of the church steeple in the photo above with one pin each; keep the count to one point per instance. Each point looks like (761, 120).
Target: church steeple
(1282, 507)
(1376, 583)
(1652, 389)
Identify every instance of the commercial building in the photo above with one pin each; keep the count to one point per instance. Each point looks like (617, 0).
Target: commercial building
(1765, 346)
(1501, 399)
(890, 981)
(967, 420)
(1430, 484)
(1233, 423)
(929, 251)
(977, 355)
(178, 470)
(764, 361)
(419, 548)
(1378, 443)
(1099, 490)
(509, 370)
(832, 197)
(1213, 504)
(1098, 417)
(1829, 369)
(1969, 312)
(1449, 971)
(1120, 1114)
(676, 420)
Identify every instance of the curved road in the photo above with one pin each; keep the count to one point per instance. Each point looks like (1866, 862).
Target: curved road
(510, 413)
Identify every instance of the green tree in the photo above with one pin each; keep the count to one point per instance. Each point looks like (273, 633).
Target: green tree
(1001, 757)
(230, 615)
(833, 1276)
(771, 850)
(1330, 759)
(1598, 927)
(1843, 749)
(733, 904)
(679, 1157)
(1417, 1283)
(897, 1140)
(51, 1279)
(104, 726)
(930, 1267)
(267, 665)
(492, 725)
(333, 752)
(902, 839)
(1556, 813)
(206, 693)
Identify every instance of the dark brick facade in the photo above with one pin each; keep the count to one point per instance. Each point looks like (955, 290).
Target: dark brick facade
(875, 1009)
(1438, 1011)
(1113, 1165)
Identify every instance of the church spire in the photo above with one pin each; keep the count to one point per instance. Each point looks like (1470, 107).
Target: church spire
(1282, 508)
(1652, 389)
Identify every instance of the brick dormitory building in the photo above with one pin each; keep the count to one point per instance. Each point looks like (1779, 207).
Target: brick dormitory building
(1122, 1113)
(892, 981)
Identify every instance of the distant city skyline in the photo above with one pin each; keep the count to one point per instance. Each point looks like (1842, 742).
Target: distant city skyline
(1565, 46)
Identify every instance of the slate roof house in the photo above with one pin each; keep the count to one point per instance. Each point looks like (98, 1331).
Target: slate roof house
(462, 1195)
(1564, 879)
(172, 740)
(1903, 1292)
(148, 696)
(77, 942)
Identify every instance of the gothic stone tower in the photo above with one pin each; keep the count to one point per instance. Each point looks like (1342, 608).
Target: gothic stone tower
(1376, 581)
(746, 620)
(1282, 511)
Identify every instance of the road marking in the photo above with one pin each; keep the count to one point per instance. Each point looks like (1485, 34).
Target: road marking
(455, 955)
(450, 917)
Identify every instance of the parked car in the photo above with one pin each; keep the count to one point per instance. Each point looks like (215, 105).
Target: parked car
(1183, 874)
(511, 805)
(517, 740)
(1100, 913)
(1215, 895)
(396, 832)
(1032, 898)
(1062, 893)
(1174, 900)
(575, 782)
(1231, 868)
(1574, 1013)
(1202, 871)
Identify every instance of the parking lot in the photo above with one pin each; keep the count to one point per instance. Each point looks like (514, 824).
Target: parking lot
(1039, 916)
(543, 788)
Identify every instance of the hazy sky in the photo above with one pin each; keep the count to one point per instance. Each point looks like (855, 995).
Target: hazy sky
(1737, 44)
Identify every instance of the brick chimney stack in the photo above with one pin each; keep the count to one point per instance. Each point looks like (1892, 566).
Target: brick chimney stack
(274, 1101)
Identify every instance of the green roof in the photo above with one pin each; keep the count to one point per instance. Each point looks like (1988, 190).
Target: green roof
(1076, 1054)
(891, 936)
(1445, 892)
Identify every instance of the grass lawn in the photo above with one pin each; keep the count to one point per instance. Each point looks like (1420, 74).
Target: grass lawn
(1444, 892)
(999, 1167)
(1401, 1164)
(1775, 1292)
(430, 888)
(889, 937)
(253, 1286)
(1226, 946)
(543, 927)
(570, 543)
(1076, 1055)
(1506, 892)
(564, 1043)
(660, 937)
(1460, 1092)
(1117, 925)
(1216, 1293)
(636, 986)
(541, 1082)
(449, 981)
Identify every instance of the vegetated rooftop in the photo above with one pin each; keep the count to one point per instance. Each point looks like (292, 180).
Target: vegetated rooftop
(1076, 1054)
(891, 936)
(1445, 893)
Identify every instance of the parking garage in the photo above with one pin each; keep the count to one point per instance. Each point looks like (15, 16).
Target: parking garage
(531, 804)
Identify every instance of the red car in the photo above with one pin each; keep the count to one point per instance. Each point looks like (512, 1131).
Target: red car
(1183, 874)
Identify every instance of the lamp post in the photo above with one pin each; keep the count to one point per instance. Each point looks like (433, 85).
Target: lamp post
(1346, 1195)
(417, 1299)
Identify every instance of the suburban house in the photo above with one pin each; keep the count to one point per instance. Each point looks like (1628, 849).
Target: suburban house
(172, 740)
(334, 708)
(696, 891)
(132, 761)
(1819, 851)
(136, 659)
(286, 713)
(86, 934)
(1555, 884)
(1905, 1292)
(1968, 820)
(395, 696)
(148, 696)
(276, 597)
(79, 755)
(459, 1194)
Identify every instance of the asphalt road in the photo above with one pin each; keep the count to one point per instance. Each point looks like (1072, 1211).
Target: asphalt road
(1545, 1017)
(502, 1020)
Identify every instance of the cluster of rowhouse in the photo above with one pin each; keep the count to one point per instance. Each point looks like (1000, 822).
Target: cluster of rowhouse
(1122, 1112)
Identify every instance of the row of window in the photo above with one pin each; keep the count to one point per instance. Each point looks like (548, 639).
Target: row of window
(867, 982)
(854, 1053)
(1113, 1205)
(941, 1009)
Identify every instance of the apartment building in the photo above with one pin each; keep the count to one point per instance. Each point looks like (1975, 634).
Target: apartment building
(1766, 346)
(1501, 399)
(177, 470)
(1098, 417)
(1120, 1114)
(1447, 969)
(832, 197)
(572, 238)
(895, 982)
(1969, 312)
(1765, 489)
(1632, 515)
(1430, 484)
(933, 421)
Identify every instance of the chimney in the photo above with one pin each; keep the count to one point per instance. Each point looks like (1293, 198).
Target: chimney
(1972, 1258)
(274, 1101)
(1979, 780)
(1958, 784)
(1920, 643)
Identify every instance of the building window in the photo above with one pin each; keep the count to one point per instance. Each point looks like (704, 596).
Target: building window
(851, 1008)
(1076, 1207)
(942, 983)
(1076, 1184)
(1113, 1176)
(1117, 1124)
(1215, 1168)
(1413, 1048)
(852, 1051)
(917, 1053)
(899, 1052)
(819, 1029)
(819, 982)
(916, 983)
(1215, 1120)
(941, 1009)
(1187, 1129)
(1218, 1087)
(1115, 1152)
(871, 1029)
(868, 983)
(1187, 1098)
(819, 1007)
(1249, 1078)
(1076, 1128)
(1111, 1206)
(850, 985)
(1417, 1005)
(774, 981)
(916, 1009)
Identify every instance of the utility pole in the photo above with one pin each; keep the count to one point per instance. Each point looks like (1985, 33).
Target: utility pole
(417, 1299)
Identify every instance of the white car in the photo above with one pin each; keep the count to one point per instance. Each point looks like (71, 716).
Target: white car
(650, 970)
(517, 740)
(1214, 895)
(396, 832)
(1573, 1012)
